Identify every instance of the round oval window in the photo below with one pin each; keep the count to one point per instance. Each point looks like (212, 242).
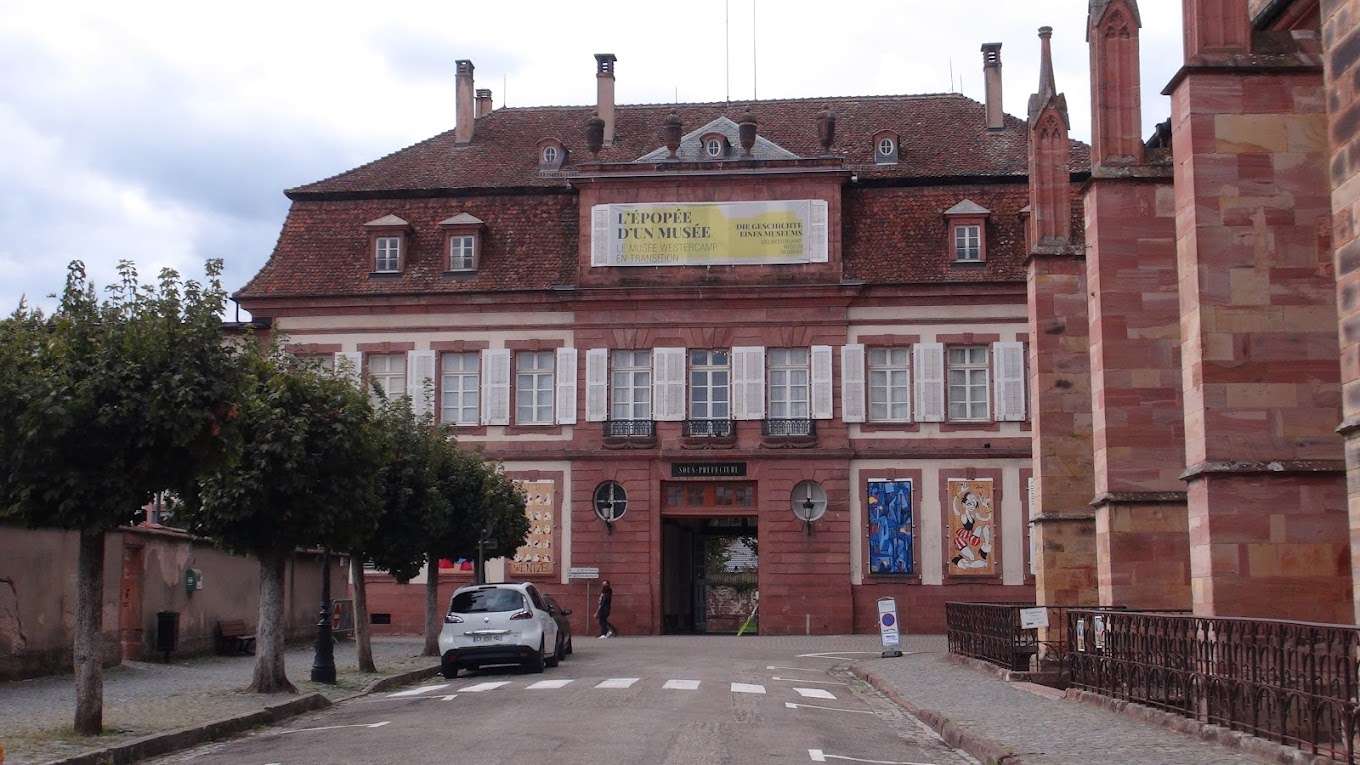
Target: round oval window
(808, 501)
(713, 147)
(885, 146)
(611, 501)
(549, 155)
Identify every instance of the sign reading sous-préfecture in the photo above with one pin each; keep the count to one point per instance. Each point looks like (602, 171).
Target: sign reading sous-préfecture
(709, 233)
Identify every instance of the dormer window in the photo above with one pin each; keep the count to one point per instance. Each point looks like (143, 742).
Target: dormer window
(551, 154)
(388, 254)
(713, 147)
(967, 232)
(968, 242)
(387, 244)
(885, 147)
(462, 242)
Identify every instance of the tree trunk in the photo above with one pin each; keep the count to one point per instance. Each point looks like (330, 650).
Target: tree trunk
(433, 622)
(270, 676)
(362, 646)
(88, 653)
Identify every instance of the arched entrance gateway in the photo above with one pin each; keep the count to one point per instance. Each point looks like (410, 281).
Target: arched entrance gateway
(665, 319)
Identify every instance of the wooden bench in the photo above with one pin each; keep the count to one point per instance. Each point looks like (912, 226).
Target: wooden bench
(234, 636)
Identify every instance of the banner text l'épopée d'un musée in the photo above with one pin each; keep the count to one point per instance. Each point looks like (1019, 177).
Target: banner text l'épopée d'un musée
(710, 233)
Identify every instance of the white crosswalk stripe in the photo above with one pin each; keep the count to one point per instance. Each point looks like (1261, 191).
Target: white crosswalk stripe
(416, 691)
(547, 684)
(682, 685)
(815, 693)
(748, 688)
(618, 682)
(479, 687)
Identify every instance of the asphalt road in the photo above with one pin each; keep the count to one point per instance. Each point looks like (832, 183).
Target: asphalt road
(672, 701)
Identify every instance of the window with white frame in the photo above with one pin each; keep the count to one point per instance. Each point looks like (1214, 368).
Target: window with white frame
(968, 242)
(387, 254)
(788, 383)
(710, 385)
(387, 373)
(534, 387)
(968, 383)
(630, 385)
(462, 253)
(889, 390)
(549, 155)
(713, 147)
(459, 388)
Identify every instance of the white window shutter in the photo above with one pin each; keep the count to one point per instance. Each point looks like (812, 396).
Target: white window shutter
(928, 359)
(496, 386)
(599, 235)
(351, 365)
(852, 383)
(668, 384)
(566, 386)
(748, 383)
(817, 240)
(1008, 369)
(597, 385)
(420, 382)
(821, 382)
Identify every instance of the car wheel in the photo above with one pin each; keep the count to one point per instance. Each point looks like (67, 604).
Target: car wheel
(448, 669)
(556, 658)
(536, 664)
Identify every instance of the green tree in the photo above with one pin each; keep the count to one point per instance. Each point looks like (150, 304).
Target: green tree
(301, 473)
(103, 404)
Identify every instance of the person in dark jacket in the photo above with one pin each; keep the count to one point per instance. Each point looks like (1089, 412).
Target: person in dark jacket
(602, 613)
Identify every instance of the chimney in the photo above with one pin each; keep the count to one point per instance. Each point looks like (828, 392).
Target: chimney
(463, 100)
(483, 101)
(604, 93)
(991, 74)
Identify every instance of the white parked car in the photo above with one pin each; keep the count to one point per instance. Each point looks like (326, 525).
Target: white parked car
(497, 624)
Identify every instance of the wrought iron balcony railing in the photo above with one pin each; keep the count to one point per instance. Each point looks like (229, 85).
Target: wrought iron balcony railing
(789, 428)
(629, 429)
(709, 428)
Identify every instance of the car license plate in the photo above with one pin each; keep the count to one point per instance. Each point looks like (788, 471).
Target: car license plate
(487, 638)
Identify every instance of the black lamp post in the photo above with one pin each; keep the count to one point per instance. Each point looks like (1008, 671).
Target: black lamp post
(323, 660)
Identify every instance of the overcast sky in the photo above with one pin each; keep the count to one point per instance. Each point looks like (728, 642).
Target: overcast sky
(166, 132)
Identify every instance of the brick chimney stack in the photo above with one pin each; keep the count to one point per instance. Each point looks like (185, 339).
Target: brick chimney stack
(483, 102)
(991, 74)
(1116, 106)
(604, 93)
(1050, 151)
(463, 103)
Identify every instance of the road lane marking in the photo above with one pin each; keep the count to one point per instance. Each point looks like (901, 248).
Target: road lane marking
(681, 685)
(800, 669)
(547, 684)
(450, 697)
(791, 705)
(480, 687)
(805, 680)
(747, 688)
(817, 755)
(416, 691)
(617, 682)
(816, 693)
(336, 727)
(834, 655)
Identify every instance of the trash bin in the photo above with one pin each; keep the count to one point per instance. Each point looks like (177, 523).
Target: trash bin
(167, 632)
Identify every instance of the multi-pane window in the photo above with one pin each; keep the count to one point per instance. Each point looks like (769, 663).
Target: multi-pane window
(888, 385)
(534, 387)
(459, 389)
(388, 253)
(788, 383)
(709, 385)
(630, 385)
(462, 253)
(968, 242)
(387, 373)
(968, 384)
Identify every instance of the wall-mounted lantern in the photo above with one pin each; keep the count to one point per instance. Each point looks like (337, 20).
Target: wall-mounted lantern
(808, 501)
(611, 502)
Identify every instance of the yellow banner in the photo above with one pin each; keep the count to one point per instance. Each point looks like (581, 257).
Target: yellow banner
(731, 233)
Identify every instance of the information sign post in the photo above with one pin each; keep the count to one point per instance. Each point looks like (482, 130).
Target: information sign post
(888, 628)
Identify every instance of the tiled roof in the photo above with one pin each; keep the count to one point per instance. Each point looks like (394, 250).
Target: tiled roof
(942, 135)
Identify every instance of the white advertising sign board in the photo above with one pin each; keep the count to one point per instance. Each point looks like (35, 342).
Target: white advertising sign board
(583, 572)
(1032, 618)
(887, 624)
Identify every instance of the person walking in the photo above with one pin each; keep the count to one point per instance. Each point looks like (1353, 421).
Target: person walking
(602, 613)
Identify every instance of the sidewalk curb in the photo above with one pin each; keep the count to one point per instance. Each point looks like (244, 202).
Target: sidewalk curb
(990, 752)
(183, 738)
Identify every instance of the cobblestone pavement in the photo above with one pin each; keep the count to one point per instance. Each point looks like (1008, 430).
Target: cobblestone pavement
(1051, 731)
(141, 698)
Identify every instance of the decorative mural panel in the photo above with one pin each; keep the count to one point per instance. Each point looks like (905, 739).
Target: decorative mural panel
(890, 527)
(972, 528)
(536, 557)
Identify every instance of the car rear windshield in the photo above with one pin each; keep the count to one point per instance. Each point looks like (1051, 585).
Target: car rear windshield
(486, 601)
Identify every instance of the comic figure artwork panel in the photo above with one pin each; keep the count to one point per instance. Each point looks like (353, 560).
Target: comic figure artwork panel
(890, 527)
(535, 557)
(972, 528)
